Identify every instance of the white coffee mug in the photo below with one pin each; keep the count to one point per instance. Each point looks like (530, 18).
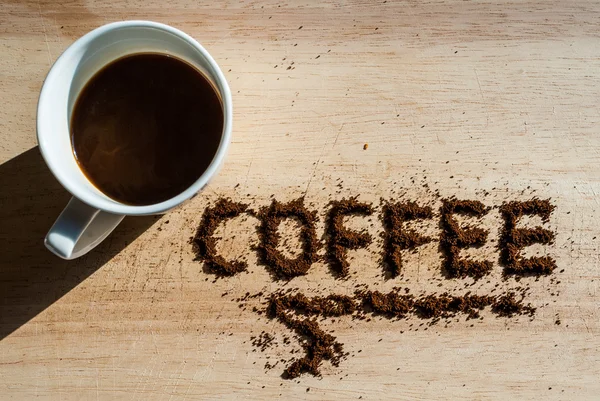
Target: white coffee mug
(90, 215)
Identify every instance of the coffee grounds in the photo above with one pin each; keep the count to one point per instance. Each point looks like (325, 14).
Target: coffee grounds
(329, 306)
(444, 305)
(204, 242)
(514, 239)
(390, 305)
(507, 305)
(263, 341)
(317, 345)
(454, 238)
(340, 238)
(397, 238)
(271, 217)
(393, 304)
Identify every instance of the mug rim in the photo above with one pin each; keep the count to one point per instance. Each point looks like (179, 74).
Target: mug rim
(111, 205)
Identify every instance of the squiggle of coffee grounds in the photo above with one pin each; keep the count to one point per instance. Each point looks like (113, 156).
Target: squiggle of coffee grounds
(299, 313)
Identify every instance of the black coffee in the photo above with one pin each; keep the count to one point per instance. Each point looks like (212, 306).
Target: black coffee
(146, 127)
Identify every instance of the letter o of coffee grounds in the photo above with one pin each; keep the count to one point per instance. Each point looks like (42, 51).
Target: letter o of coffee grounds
(396, 237)
(271, 217)
(204, 242)
(340, 238)
(514, 239)
(454, 238)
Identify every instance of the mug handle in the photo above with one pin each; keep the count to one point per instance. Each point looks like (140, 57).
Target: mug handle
(79, 228)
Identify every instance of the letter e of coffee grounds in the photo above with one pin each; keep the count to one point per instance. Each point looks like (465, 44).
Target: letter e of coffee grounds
(513, 239)
(454, 238)
(399, 238)
(271, 217)
(204, 242)
(340, 238)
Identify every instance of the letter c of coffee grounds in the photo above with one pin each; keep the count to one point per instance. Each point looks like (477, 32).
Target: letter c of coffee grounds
(204, 243)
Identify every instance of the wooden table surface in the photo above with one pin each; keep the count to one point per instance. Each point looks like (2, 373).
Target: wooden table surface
(467, 97)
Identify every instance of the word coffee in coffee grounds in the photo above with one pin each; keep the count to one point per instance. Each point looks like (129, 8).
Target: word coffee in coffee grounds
(454, 238)
(303, 314)
(397, 237)
(271, 217)
(341, 239)
(514, 239)
(204, 242)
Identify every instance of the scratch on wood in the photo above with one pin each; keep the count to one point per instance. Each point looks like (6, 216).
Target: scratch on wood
(97, 384)
(45, 34)
(316, 167)
(479, 84)
(487, 114)
(248, 172)
(338, 135)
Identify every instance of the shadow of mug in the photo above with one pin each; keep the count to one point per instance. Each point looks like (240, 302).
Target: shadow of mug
(32, 278)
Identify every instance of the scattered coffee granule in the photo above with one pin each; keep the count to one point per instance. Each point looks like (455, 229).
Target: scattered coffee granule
(204, 242)
(340, 238)
(507, 305)
(365, 146)
(514, 239)
(263, 341)
(271, 217)
(317, 344)
(248, 296)
(454, 238)
(397, 238)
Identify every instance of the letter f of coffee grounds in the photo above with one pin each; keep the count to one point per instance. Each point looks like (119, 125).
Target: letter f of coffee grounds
(397, 236)
(340, 238)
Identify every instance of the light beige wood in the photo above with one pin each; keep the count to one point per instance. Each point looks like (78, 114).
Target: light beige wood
(502, 96)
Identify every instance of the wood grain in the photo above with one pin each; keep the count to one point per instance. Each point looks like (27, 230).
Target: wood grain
(464, 96)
